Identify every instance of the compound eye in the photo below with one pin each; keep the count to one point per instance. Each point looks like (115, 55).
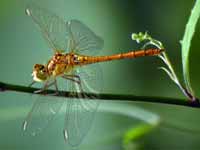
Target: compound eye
(36, 66)
(41, 67)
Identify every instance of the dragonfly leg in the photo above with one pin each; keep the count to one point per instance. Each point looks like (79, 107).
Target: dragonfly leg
(43, 89)
(74, 78)
(46, 86)
(33, 82)
(56, 87)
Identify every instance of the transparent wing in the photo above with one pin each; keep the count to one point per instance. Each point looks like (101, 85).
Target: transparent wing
(84, 40)
(80, 112)
(42, 113)
(72, 35)
(53, 28)
(91, 77)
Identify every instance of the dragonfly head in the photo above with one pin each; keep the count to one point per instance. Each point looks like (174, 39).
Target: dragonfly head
(40, 73)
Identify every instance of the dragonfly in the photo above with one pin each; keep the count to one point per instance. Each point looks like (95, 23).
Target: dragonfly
(74, 46)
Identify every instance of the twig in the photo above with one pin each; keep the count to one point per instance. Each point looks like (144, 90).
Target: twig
(103, 96)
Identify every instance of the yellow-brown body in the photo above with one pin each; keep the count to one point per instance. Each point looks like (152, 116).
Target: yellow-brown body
(64, 63)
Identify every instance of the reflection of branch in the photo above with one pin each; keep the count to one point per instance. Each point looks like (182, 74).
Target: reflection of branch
(103, 96)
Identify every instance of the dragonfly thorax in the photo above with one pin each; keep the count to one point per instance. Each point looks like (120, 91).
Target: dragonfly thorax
(59, 64)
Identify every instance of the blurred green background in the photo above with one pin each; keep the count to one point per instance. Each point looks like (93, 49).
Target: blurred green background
(22, 45)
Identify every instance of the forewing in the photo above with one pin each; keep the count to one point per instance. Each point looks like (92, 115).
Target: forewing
(53, 27)
(80, 112)
(84, 40)
(42, 113)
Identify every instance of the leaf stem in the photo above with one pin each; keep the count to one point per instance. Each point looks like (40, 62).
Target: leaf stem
(103, 96)
(141, 37)
(176, 80)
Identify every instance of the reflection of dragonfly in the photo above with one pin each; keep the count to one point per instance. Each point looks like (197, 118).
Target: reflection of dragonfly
(71, 41)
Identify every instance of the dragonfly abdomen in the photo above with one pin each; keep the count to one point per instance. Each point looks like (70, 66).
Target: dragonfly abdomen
(131, 54)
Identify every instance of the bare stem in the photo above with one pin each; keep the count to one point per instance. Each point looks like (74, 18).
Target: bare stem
(169, 68)
(188, 94)
(103, 96)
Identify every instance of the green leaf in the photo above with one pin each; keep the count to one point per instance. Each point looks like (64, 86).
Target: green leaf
(186, 42)
(137, 132)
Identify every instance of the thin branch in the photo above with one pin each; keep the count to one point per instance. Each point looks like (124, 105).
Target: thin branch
(103, 96)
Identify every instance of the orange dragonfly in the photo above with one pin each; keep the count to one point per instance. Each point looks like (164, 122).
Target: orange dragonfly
(72, 43)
